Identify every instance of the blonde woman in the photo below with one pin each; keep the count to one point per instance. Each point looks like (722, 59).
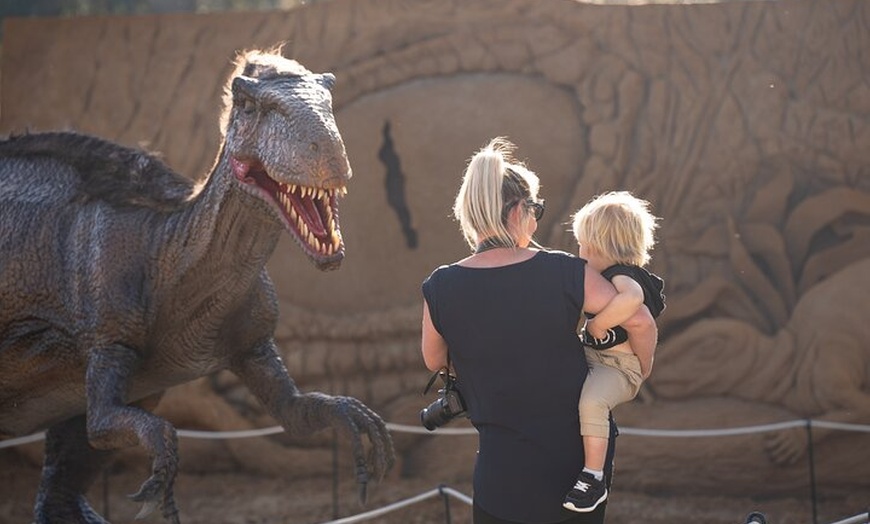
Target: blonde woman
(615, 233)
(507, 315)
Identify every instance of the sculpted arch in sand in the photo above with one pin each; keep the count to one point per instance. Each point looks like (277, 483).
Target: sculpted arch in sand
(744, 123)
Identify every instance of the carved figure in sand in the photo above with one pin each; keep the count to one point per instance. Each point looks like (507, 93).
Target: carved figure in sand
(120, 278)
(817, 366)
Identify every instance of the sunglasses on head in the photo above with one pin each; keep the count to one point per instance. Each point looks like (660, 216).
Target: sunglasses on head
(536, 207)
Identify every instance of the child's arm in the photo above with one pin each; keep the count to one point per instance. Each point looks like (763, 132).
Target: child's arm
(628, 299)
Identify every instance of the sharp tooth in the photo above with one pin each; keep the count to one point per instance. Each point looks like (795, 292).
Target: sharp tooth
(292, 209)
(336, 238)
(321, 193)
(311, 239)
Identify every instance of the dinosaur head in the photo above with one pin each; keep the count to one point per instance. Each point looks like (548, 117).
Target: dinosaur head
(284, 147)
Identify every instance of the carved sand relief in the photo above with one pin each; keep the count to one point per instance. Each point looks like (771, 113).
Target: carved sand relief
(743, 123)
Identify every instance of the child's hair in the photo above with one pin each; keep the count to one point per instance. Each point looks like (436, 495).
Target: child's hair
(493, 181)
(618, 225)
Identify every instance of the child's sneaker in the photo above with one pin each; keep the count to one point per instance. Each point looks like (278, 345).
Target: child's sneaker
(586, 494)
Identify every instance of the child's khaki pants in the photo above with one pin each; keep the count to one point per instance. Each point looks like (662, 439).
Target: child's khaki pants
(614, 378)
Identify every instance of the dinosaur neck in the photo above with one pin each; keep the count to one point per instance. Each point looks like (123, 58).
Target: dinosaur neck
(224, 228)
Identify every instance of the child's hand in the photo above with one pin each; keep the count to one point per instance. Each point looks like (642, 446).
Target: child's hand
(595, 331)
(607, 340)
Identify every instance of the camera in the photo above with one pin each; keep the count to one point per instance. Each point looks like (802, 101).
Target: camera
(448, 406)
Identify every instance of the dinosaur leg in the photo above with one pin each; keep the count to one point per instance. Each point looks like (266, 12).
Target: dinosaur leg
(113, 424)
(70, 467)
(264, 374)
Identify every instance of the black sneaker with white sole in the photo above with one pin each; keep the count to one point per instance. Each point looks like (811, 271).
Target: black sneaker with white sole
(586, 494)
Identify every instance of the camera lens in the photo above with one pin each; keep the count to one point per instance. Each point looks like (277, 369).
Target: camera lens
(435, 415)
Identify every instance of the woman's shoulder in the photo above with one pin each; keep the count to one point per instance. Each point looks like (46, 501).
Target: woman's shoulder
(438, 270)
(562, 257)
(556, 253)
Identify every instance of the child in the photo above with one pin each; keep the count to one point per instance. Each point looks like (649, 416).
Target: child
(614, 232)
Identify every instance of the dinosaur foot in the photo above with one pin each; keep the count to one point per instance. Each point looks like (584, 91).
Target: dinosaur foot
(156, 492)
(72, 512)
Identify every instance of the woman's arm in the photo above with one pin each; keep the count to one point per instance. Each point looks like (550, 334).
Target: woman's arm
(433, 344)
(643, 336)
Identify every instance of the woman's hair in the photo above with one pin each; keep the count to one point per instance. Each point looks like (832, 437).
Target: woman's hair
(493, 182)
(618, 225)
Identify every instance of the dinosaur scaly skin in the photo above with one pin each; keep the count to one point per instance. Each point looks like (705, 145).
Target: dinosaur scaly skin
(120, 278)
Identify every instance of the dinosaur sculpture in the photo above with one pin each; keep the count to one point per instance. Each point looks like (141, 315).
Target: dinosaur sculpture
(120, 278)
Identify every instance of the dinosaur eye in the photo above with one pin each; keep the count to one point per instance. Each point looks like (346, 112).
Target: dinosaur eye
(248, 106)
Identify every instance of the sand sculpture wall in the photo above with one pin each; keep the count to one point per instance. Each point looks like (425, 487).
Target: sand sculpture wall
(746, 124)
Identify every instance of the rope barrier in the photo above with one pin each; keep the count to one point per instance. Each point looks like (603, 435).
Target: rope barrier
(36, 437)
(439, 491)
(403, 428)
(444, 491)
(862, 518)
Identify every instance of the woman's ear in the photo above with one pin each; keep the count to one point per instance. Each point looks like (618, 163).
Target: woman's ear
(515, 215)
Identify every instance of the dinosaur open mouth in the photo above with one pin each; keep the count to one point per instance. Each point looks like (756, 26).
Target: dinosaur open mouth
(310, 213)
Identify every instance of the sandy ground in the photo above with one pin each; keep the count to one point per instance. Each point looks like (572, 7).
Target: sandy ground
(238, 498)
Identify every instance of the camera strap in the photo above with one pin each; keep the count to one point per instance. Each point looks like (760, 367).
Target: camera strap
(440, 373)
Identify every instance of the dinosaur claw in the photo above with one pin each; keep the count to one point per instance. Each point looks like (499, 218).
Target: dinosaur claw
(147, 508)
(148, 491)
(363, 492)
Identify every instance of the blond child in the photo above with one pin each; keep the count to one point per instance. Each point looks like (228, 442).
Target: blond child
(615, 233)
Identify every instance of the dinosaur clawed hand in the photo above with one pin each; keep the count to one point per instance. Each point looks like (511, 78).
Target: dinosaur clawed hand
(354, 419)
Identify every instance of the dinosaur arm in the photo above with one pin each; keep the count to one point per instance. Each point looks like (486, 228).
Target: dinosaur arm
(264, 373)
(112, 424)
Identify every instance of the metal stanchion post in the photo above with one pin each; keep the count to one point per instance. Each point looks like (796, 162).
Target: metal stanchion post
(809, 426)
(446, 503)
(756, 518)
(334, 474)
(106, 491)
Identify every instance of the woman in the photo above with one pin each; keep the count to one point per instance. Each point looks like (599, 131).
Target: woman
(508, 315)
